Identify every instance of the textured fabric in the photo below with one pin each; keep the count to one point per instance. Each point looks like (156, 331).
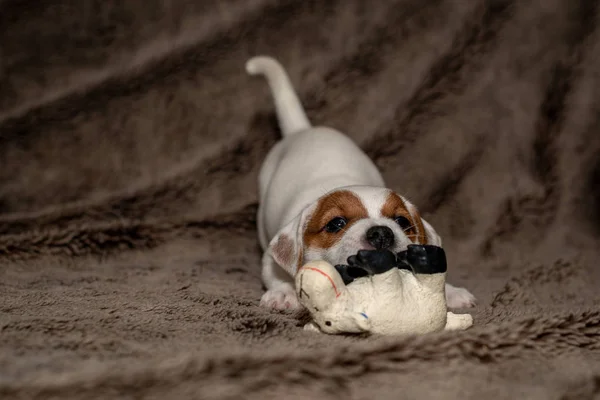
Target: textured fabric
(130, 142)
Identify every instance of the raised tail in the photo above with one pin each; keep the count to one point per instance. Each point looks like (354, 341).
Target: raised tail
(290, 112)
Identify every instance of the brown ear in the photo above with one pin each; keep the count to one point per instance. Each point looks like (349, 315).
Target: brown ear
(421, 231)
(432, 236)
(287, 246)
(425, 232)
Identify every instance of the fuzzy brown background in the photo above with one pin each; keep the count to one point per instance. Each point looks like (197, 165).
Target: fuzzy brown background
(130, 141)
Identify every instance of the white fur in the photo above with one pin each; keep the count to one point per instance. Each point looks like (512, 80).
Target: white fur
(306, 164)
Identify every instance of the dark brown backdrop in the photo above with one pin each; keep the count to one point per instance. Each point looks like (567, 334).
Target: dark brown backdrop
(130, 140)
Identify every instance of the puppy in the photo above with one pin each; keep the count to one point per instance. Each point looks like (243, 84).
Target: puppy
(322, 198)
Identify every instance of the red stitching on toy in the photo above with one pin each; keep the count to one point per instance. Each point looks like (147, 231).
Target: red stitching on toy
(337, 294)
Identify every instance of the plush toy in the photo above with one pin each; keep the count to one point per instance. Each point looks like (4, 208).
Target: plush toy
(380, 292)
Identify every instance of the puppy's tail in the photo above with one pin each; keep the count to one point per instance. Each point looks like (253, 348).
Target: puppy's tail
(290, 112)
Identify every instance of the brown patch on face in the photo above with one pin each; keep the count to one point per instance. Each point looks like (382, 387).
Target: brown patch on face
(337, 204)
(395, 207)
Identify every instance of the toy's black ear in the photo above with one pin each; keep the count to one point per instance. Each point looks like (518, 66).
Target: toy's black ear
(402, 263)
(425, 259)
(373, 261)
(349, 274)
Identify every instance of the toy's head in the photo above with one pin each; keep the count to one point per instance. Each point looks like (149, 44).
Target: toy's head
(322, 291)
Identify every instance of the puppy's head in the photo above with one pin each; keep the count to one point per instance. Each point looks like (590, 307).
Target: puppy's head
(347, 220)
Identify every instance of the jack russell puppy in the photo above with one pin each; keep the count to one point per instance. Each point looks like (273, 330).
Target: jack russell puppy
(322, 198)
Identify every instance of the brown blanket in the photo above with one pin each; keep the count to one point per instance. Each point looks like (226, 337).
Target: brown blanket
(130, 141)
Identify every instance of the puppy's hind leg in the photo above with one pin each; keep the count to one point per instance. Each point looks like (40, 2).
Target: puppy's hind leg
(280, 293)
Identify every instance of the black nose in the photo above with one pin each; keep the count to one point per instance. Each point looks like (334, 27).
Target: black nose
(381, 237)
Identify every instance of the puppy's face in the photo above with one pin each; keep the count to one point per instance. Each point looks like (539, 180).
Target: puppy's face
(347, 220)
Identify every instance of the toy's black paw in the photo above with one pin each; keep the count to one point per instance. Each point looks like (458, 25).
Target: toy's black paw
(349, 274)
(423, 259)
(366, 263)
(373, 261)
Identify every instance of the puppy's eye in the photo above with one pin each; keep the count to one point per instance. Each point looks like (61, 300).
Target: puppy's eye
(335, 225)
(403, 222)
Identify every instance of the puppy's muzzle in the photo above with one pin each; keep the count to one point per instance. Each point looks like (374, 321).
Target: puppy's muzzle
(380, 237)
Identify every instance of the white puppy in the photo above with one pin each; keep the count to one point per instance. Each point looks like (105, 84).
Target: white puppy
(322, 198)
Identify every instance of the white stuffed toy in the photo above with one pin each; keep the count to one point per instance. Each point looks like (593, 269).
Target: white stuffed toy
(380, 292)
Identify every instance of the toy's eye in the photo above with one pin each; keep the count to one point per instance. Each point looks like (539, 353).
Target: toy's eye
(336, 225)
(328, 323)
(403, 222)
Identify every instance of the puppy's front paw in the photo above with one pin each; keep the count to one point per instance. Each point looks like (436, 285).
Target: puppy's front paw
(280, 299)
(459, 297)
